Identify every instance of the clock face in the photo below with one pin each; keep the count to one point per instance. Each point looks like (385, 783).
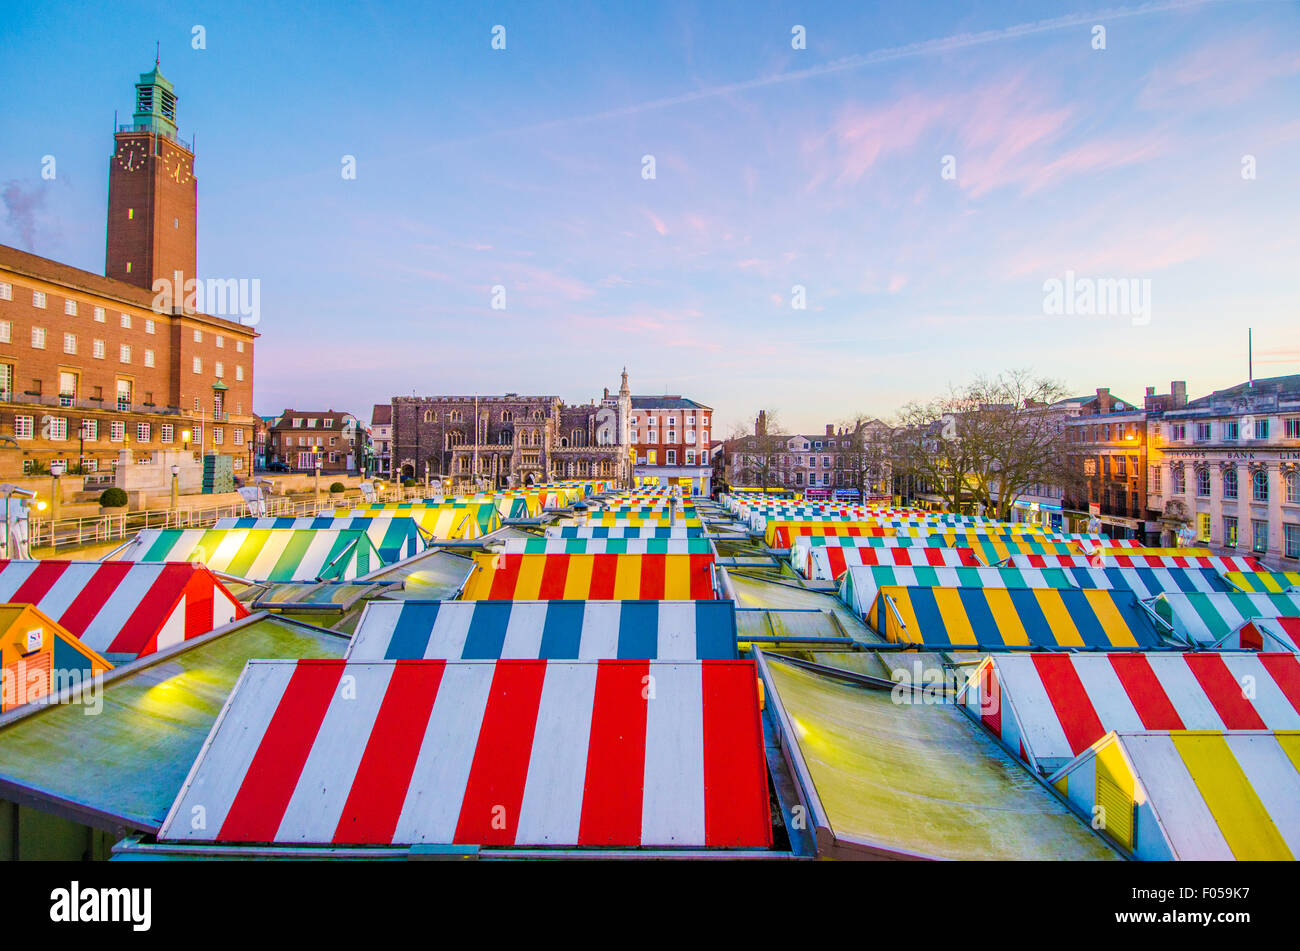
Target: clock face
(130, 156)
(177, 168)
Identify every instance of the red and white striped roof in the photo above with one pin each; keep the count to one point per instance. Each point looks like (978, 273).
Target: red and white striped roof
(1114, 558)
(123, 607)
(496, 753)
(1052, 706)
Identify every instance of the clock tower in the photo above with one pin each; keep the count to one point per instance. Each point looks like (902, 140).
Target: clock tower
(152, 193)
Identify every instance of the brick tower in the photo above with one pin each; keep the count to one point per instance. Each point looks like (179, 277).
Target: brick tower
(152, 192)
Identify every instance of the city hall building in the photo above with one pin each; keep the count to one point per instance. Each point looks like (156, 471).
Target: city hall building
(89, 365)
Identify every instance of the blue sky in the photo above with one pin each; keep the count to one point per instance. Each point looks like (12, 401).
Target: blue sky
(775, 167)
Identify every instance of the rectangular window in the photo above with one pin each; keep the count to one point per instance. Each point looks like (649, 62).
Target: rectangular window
(148, 326)
(217, 435)
(142, 433)
(1177, 432)
(98, 349)
(67, 388)
(100, 316)
(198, 335)
(1292, 536)
(670, 456)
(1202, 432)
(124, 394)
(6, 291)
(167, 434)
(238, 436)
(90, 430)
(126, 321)
(148, 358)
(70, 344)
(70, 307)
(1203, 526)
(1261, 429)
(38, 299)
(329, 423)
(24, 426)
(219, 369)
(6, 329)
(690, 457)
(239, 346)
(116, 431)
(1230, 432)
(1259, 532)
(38, 338)
(1154, 479)
(311, 423)
(6, 380)
(1291, 427)
(221, 342)
(1229, 531)
(124, 354)
(239, 372)
(198, 365)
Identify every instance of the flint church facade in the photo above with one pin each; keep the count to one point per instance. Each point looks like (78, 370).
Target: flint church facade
(511, 440)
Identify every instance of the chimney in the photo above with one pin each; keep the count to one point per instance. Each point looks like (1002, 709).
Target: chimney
(1103, 399)
(1179, 390)
(830, 429)
(760, 424)
(1151, 391)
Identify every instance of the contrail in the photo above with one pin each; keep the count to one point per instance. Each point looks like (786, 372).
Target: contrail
(889, 54)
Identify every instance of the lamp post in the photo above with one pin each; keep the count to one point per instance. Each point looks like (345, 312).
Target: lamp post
(57, 468)
(315, 451)
(185, 439)
(176, 492)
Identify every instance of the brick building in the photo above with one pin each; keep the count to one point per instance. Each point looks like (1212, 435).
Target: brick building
(298, 436)
(89, 365)
(670, 435)
(381, 434)
(510, 440)
(1107, 444)
(838, 461)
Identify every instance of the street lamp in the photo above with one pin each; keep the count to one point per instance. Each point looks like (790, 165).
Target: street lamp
(185, 439)
(57, 468)
(316, 457)
(176, 489)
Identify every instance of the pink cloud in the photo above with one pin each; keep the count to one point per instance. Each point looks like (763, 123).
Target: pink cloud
(655, 221)
(1221, 72)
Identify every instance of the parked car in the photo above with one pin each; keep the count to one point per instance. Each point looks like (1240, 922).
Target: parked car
(278, 467)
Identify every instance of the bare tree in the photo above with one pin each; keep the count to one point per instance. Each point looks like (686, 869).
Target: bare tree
(866, 462)
(757, 455)
(986, 443)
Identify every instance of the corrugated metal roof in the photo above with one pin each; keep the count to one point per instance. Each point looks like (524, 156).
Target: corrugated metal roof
(124, 766)
(514, 753)
(914, 780)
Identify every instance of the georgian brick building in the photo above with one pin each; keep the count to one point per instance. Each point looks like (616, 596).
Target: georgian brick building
(299, 436)
(510, 440)
(89, 366)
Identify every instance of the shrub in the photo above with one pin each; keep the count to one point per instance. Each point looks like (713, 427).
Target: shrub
(408, 482)
(112, 498)
(336, 487)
